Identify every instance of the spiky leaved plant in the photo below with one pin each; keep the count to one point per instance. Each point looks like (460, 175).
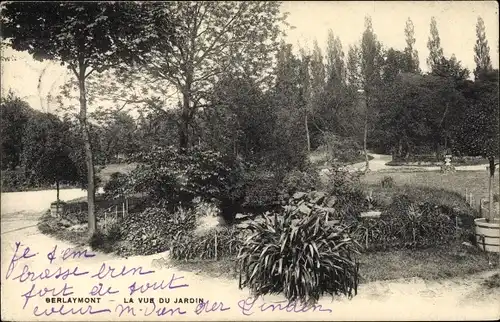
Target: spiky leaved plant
(302, 258)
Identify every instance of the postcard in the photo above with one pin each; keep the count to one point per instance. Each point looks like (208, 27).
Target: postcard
(250, 161)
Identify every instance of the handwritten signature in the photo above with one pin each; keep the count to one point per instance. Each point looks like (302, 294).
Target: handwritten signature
(64, 297)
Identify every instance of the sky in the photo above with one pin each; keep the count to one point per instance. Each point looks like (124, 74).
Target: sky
(456, 22)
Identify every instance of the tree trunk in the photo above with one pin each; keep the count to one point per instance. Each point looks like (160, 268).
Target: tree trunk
(308, 138)
(365, 136)
(490, 187)
(184, 122)
(88, 152)
(183, 135)
(57, 191)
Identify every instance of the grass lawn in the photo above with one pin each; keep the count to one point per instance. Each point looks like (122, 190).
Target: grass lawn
(476, 182)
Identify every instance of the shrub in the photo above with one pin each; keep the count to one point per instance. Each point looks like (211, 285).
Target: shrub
(387, 182)
(297, 180)
(301, 258)
(112, 229)
(168, 176)
(351, 199)
(115, 187)
(341, 181)
(150, 232)
(99, 241)
(262, 188)
(407, 224)
(341, 149)
(215, 244)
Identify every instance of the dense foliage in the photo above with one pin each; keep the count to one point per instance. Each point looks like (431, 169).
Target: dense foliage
(150, 231)
(212, 245)
(300, 257)
(408, 224)
(165, 175)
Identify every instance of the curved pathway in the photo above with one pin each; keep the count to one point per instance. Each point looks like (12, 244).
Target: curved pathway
(379, 163)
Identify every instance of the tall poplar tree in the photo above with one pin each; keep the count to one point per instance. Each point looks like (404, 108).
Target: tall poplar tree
(481, 50)
(434, 46)
(371, 64)
(335, 64)
(353, 70)
(411, 54)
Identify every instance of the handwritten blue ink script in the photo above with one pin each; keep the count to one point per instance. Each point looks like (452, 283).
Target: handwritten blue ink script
(69, 282)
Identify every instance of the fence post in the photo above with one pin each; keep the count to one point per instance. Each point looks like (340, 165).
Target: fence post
(105, 219)
(481, 207)
(215, 245)
(466, 195)
(123, 210)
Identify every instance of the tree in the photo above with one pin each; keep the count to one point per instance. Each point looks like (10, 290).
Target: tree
(14, 115)
(305, 96)
(46, 152)
(335, 64)
(478, 129)
(353, 67)
(481, 50)
(371, 63)
(289, 134)
(87, 38)
(333, 103)
(242, 122)
(214, 39)
(318, 74)
(411, 54)
(403, 124)
(434, 46)
(394, 65)
(117, 134)
(446, 82)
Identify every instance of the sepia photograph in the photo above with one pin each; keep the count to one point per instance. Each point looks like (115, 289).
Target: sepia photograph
(250, 161)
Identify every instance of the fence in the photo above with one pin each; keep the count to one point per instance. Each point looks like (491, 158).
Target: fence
(475, 202)
(115, 213)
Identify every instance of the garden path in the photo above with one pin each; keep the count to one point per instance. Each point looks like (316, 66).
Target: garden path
(379, 163)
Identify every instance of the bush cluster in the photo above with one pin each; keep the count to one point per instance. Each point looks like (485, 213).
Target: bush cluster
(351, 199)
(151, 231)
(387, 182)
(341, 149)
(407, 224)
(213, 245)
(297, 180)
(165, 175)
(302, 257)
(115, 187)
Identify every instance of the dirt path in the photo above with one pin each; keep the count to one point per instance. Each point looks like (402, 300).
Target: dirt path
(415, 299)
